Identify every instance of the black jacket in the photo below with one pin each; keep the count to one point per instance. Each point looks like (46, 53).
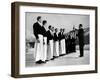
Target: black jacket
(49, 36)
(60, 36)
(56, 38)
(81, 36)
(37, 29)
(44, 33)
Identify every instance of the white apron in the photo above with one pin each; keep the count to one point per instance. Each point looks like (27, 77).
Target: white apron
(45, 49)
(39, 49)
(50, 50)
(56, 48)
(63, 49)
(60, 50)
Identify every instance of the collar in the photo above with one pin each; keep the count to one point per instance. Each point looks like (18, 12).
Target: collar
(39, 23)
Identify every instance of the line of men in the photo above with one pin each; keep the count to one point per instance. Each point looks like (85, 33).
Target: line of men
(70, 41)
(49, 44)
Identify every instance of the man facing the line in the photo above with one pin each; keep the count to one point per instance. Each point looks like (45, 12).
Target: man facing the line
(81, 39)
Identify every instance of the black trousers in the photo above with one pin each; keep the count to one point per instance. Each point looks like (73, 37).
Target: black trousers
(81, 50)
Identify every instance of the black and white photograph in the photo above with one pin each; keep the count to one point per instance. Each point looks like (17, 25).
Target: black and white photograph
(57, 39)
(51, 39)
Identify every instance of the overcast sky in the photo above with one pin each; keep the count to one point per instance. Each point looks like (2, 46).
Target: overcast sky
(66, 21)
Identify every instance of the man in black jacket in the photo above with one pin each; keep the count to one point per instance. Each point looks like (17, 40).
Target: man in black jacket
(69, 43)
(56, 38)
(49, 35)
(49, 44)
(60, 38)
(44, 33)
(60, 34)
(37, 30)
(56, 43)
(63, 42)
(37, 27)
(74, 40)
(43, 30)
(66, 43)
(81, 39)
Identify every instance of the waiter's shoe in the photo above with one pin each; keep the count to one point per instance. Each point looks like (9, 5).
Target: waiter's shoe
(80, 56)
(52, 58)
(61, 54)
(39, 62)
(46, 60)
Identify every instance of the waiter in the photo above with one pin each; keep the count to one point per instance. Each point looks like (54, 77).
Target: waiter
(39, 40)
(69, 43)
(44, 56)
(49, 44)
(63, 42)
(81, 39)
(66, 42)
(52, 33)
(56, 43)
(74, 40)
(60, 35)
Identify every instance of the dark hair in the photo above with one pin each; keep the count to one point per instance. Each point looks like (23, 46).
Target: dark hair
(63, 29)
(56, 29)
(49, 27)
(52, 27)
(69, 36)
(80, 25)
(60, 29)
(39, 17)
(73, 27)
(44, 22)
